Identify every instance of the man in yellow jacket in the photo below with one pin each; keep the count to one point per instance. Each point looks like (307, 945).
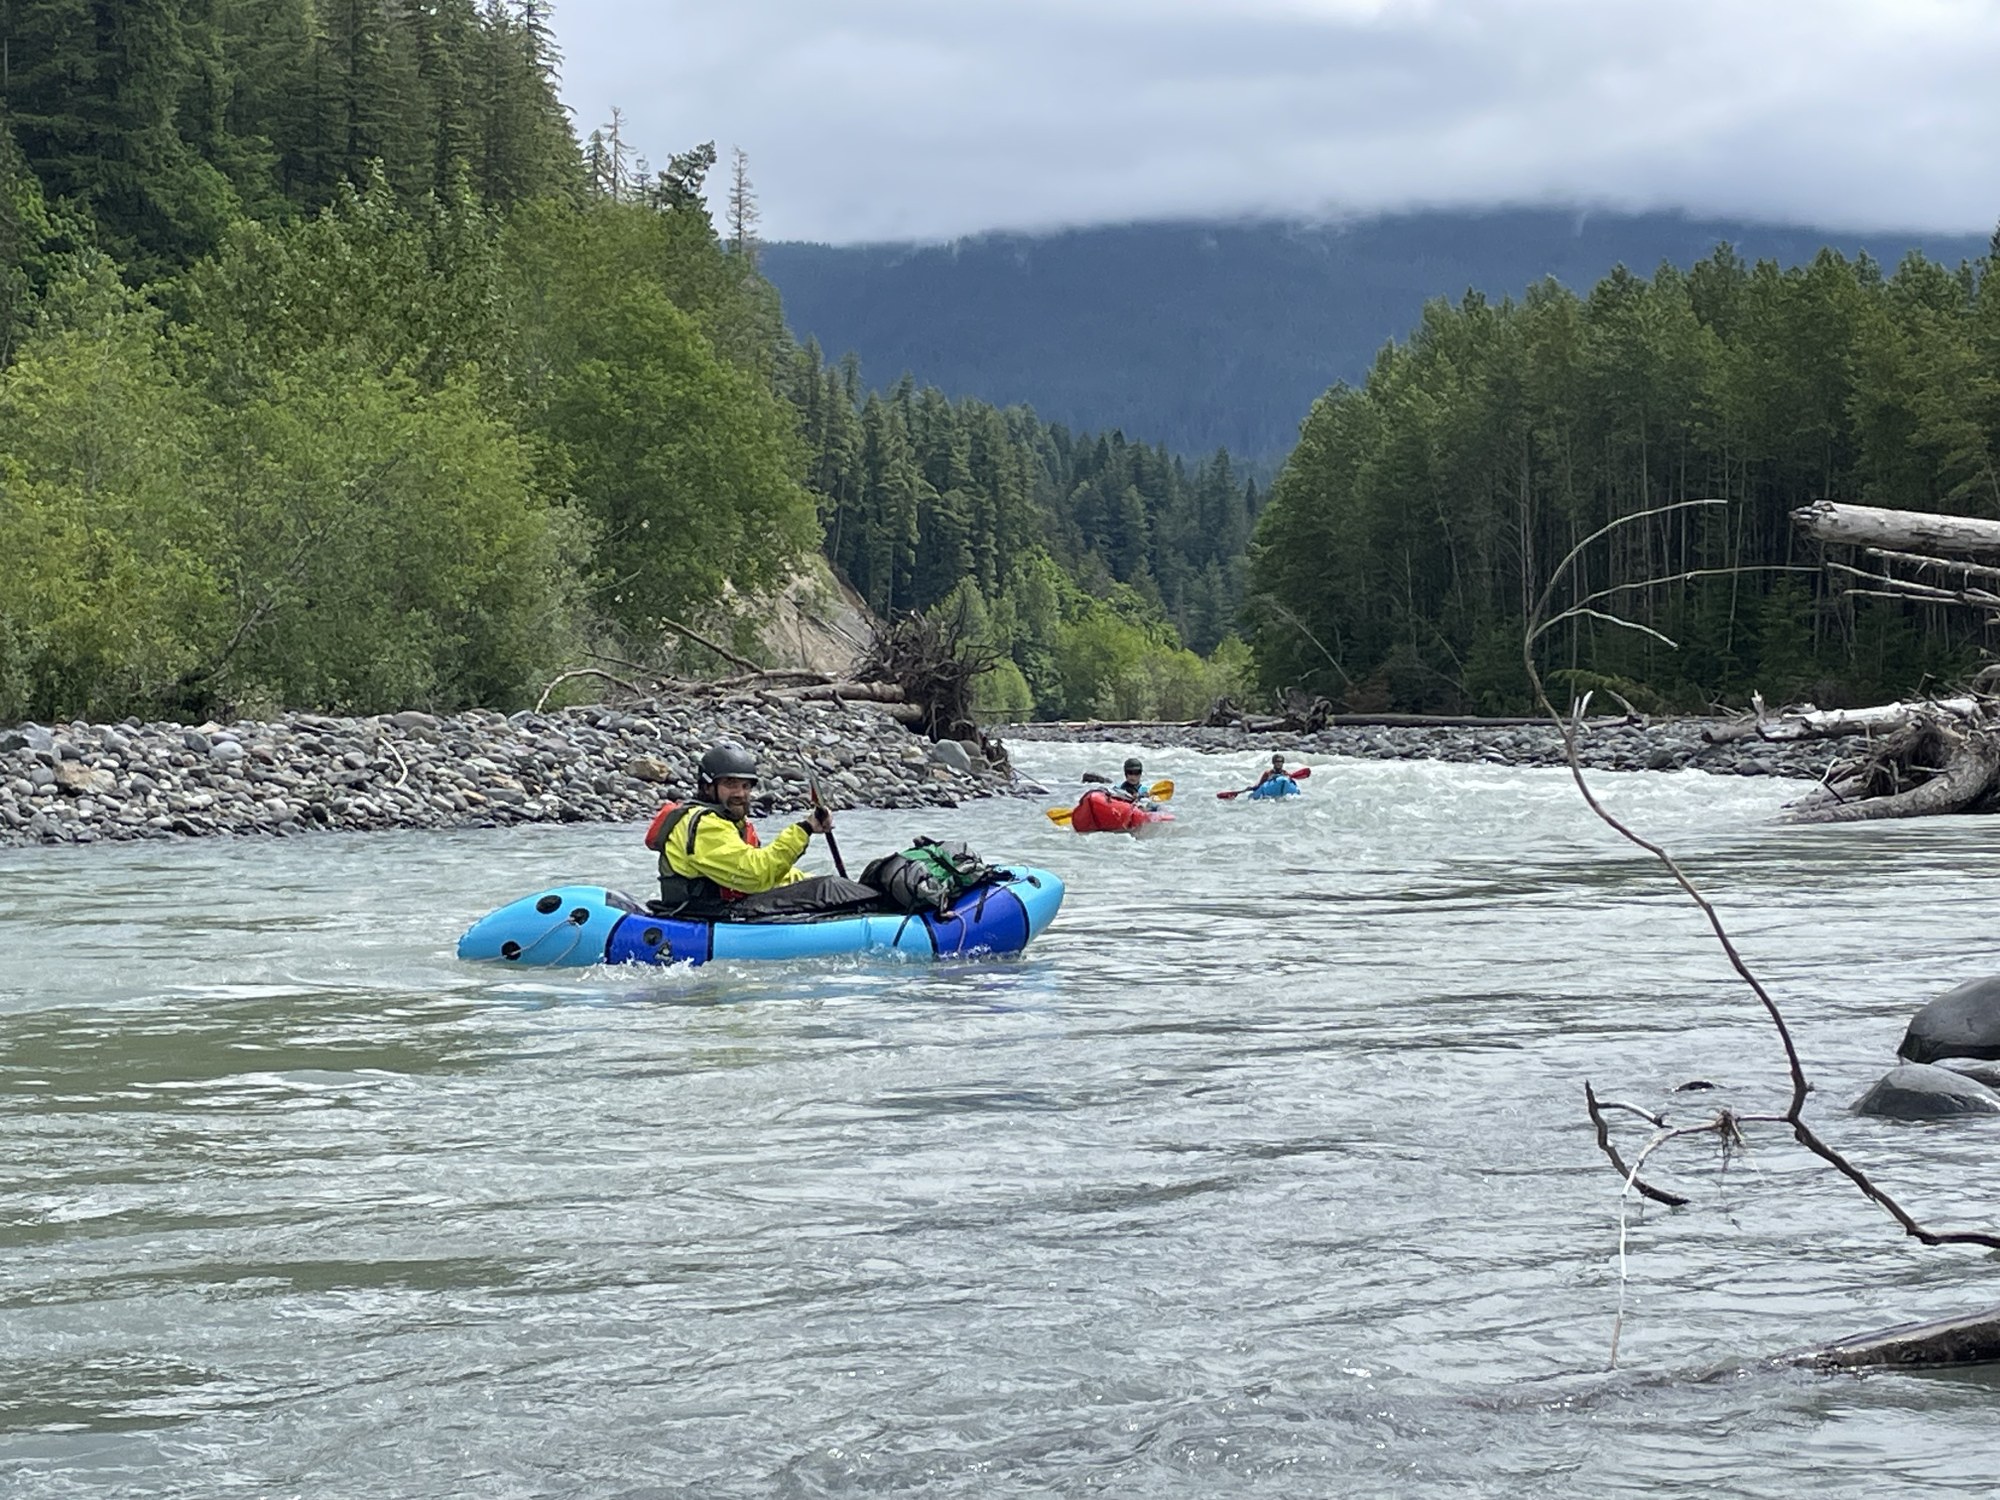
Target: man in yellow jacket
(710, 855)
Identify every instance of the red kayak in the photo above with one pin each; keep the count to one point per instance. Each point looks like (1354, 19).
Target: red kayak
(1100, 812)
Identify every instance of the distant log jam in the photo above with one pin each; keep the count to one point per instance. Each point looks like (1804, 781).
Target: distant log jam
(1934, 761)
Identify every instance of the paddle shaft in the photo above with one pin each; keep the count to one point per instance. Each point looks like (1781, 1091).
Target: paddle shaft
(832, 844)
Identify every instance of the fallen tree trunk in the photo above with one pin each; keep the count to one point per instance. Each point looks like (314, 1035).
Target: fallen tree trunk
(1831, 723)
(1903, 530)
(1092, 726)
(885, 696)
(1465, 721)
(784, 685)
(841, 692)
(1969, 1339)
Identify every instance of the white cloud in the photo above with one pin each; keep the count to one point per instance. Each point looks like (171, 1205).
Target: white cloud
(878, 119)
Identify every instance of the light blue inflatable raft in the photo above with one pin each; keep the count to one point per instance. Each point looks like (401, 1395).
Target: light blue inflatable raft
(573, 926)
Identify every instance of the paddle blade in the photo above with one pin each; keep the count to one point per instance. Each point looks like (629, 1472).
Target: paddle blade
(1061, 815)
(1160, 790)
(1227, 796)
(1301, 773)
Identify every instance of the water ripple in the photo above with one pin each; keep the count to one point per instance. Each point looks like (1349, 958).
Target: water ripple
(1264, 1172)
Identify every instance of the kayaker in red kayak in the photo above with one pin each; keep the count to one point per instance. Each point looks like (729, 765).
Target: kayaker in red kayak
(1132, 789)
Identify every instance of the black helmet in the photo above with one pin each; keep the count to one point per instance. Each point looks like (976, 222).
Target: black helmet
(1278, 760)
(728, 759)
(1133, 767)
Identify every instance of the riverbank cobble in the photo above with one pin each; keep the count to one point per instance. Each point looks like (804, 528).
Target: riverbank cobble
(82, 783)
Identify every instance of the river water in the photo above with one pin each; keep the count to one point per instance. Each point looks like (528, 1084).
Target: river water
(1265, 1172)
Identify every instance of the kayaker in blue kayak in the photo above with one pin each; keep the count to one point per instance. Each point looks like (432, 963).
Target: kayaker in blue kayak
(713, 864)
(1274, 771)
(1277, 769)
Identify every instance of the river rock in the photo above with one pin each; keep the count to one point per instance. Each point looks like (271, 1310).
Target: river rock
(75, 776)
(1962, 1022)
(1919, 1091)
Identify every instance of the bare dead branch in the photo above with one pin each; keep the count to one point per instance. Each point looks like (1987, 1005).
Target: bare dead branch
(1569, 557)
(632, 688)
(701, 640)
(1657, 1121)
(1909, 589)
(1925, 560)
(1630, 1174)
(1647, 583)
(402, 766)
(1598, 614)
(1801, 1088)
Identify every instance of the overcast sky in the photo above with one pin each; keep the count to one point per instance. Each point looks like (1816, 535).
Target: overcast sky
(928, 119)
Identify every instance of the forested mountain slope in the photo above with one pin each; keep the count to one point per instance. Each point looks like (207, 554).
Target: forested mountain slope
(336, 373)
(1202, 336)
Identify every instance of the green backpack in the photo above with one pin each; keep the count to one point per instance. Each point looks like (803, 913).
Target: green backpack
(929, 875)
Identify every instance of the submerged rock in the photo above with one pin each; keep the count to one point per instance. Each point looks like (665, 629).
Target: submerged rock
(1919, 1091)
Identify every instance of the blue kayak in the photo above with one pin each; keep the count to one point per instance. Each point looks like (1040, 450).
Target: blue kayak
(574, 926)
(1278, 786)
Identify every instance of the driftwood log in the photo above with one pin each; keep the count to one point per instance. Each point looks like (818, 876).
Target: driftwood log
(1234, 718)
(1806, 723)
(1969, 1339)
(934, 660)
(1923, 757)
(785, 685)
(920, 671)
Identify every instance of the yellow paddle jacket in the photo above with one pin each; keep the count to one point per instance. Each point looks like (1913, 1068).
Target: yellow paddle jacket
(719, 851)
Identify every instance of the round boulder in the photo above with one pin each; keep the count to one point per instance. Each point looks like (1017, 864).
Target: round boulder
(1962, 1022)
(1918, 1091)
(951, 753)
